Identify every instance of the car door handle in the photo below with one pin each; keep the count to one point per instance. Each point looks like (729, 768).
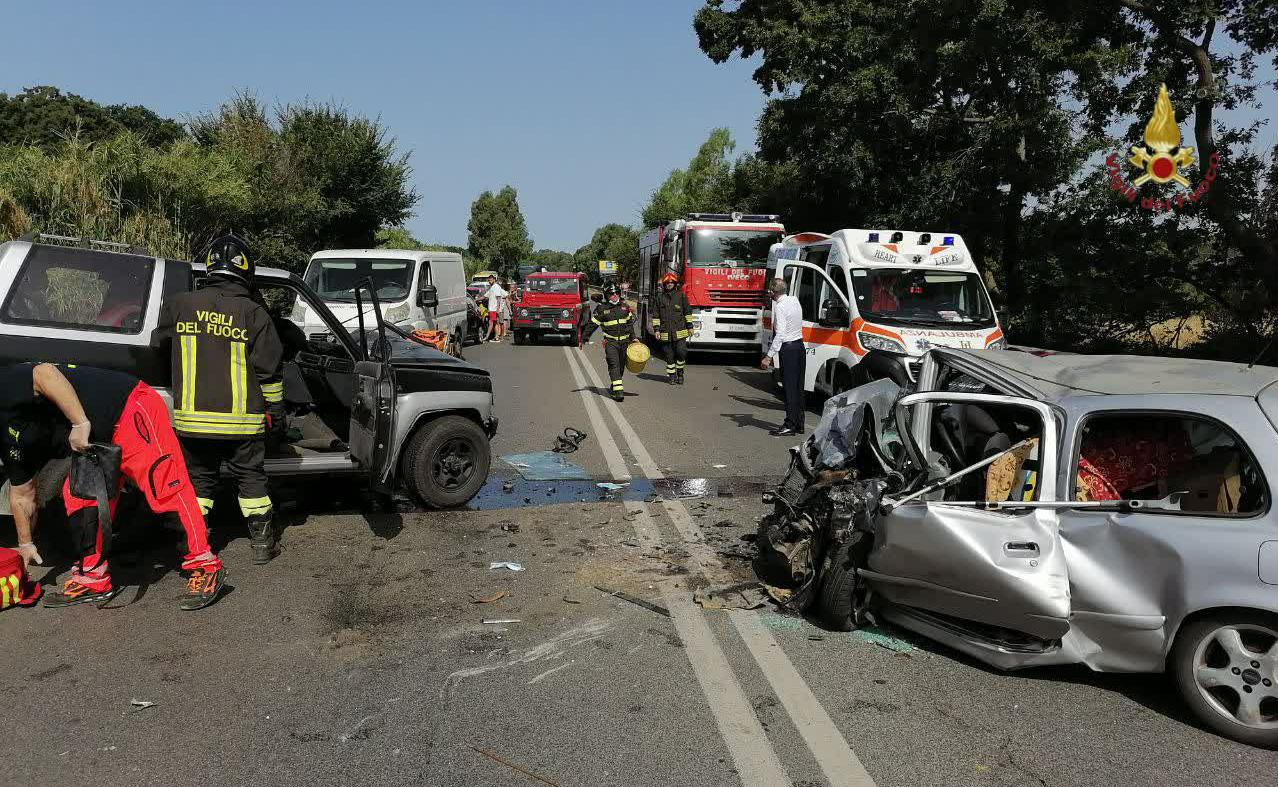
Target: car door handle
(1021, 549)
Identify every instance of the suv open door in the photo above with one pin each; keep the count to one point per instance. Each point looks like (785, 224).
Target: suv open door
(373, 407)
(984, 561)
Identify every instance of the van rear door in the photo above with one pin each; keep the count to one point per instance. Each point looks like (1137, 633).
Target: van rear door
(373, 406)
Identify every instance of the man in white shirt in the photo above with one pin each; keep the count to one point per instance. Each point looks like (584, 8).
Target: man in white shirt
(788, 350)
(496, 297)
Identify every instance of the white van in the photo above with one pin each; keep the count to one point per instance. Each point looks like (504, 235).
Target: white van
(874, 301)
(416, 289)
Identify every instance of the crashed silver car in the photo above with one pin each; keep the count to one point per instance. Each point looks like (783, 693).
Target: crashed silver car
(1028, 510)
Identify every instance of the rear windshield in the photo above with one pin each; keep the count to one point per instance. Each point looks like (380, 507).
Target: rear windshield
(335, 279)
(558, 286)
(63, 287)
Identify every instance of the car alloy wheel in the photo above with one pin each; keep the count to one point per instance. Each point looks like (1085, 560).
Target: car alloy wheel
(1236, 672)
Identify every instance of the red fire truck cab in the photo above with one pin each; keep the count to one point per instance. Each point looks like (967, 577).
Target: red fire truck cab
(721, 260)
(551, 303)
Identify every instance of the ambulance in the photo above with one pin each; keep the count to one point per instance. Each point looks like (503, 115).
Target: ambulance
(875, 301)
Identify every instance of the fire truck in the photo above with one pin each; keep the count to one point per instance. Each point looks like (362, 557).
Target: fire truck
(721, 259)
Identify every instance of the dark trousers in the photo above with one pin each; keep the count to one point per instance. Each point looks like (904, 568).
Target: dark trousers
(615, 353)
(243, 461)
(676, 356)
(794, 364)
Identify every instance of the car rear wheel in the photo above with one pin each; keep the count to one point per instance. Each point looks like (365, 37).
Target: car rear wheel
(1226, 668)
(446, 461)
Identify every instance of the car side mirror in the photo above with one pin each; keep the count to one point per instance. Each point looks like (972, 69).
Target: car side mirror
(834, 315)
(428, 296)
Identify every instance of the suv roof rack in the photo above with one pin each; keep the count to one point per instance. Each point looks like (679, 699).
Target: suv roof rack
(83, 243)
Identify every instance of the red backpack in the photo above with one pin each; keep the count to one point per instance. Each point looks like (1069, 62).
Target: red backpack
(16, 588)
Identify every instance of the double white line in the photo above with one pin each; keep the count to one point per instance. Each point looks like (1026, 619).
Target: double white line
(753, 755)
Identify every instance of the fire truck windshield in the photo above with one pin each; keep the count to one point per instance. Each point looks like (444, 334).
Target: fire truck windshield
(906, 296)
(710, 248)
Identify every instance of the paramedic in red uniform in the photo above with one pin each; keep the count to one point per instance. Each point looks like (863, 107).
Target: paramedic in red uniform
(47, 410)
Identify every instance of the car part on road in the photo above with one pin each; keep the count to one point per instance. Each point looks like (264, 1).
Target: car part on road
(738, 595)
(569, 441)
(499, 621)
(138, 705)
(507, 564)
(648, 605)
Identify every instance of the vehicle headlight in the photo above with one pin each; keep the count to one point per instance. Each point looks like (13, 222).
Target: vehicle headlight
(523, 312)
(998, 344)
(872, 341)
(565, 313)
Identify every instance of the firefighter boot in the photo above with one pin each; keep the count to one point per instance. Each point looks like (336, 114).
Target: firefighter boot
(263, 538)
(679, 376)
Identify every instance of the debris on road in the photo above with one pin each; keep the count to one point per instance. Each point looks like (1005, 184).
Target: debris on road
(648, 605)
(739, 595)
(507, 564)
(569, 600)
(141, 705)
(509, 527)
(499, 621)
(569, 441)
(515, 767)
(545, 466)
(498, 596)
(883, 639)
(611, 487)
(508, 487)
(718, 467)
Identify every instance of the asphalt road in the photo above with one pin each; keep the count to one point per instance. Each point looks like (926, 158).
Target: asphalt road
(360, 655)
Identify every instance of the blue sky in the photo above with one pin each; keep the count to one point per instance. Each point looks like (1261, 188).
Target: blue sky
(583, 105)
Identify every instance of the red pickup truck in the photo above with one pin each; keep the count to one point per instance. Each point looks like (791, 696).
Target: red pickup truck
(551, 303)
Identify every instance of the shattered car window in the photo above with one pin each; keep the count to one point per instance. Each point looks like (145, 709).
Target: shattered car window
(964, 434)
(1147, 456)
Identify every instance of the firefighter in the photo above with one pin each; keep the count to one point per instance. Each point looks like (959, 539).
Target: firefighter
(672, 324)
(48, 410)
(618, 324)
(228, 388)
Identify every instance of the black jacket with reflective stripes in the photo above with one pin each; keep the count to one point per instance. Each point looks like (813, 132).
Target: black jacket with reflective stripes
(671, 314)
(617, 322)
(227, 361)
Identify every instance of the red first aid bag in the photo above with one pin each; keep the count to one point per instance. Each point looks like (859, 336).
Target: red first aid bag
(16, 588)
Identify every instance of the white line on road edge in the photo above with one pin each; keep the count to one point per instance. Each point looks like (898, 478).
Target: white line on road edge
(753, 757)
(838, 762)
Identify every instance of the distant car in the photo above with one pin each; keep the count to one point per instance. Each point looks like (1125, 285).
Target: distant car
(1112, 511)
(551, 304)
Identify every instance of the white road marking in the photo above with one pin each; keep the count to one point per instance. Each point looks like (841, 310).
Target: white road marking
(841, 765)
(838, 762)
(753, 756)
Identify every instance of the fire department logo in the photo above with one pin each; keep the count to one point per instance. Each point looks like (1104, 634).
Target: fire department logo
(1161, 160)
(1161, 157)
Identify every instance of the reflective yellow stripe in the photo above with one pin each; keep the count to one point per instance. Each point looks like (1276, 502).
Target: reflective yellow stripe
(206, 505)
(201, 422)
(253, 506)
(595, 320)
(4, 590)
(239, 378)
(656, 320)
(616, 322)
(188, 371)
(273, 392)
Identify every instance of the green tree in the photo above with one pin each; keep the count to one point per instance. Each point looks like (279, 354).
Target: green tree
(615, 242)
(553, 259)
(44, 116)
(498, 234)
(705, 186)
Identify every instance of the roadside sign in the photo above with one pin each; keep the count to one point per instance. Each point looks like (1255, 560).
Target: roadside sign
(607, 268)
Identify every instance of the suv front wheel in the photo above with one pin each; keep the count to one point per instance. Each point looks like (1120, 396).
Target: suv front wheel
(446, 461)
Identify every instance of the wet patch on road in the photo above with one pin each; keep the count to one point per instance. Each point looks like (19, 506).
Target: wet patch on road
(514, 491)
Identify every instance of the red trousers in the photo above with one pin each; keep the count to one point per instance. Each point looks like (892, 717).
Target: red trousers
(152, 460)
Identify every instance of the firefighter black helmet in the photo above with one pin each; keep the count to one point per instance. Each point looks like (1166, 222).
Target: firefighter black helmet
(611, 289)
(229, 255)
